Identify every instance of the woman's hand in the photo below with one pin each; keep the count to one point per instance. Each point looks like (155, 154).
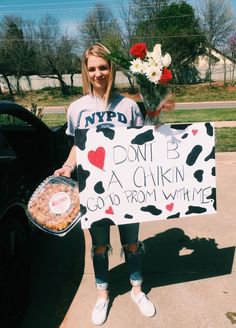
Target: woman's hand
(65, 171)
(166, 104)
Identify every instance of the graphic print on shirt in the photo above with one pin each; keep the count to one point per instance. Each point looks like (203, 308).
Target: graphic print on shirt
(105, 119)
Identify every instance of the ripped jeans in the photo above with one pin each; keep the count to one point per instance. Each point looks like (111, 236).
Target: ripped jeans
(128, 235)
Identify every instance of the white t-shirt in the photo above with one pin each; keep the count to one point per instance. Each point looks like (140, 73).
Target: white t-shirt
(90, 111)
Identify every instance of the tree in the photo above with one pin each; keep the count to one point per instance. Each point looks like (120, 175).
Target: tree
(6, 68)
(56, 52)
(128, 28)
(127, 31)
(17, 53)
(216, 20)
(100, 26)
(175, 26)
(147, 10)
(232, 50)
(232, 44)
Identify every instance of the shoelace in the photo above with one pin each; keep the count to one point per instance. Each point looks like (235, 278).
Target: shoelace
(143, 297)
(101, 305)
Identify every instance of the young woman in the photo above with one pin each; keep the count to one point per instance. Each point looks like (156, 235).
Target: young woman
(101, 106)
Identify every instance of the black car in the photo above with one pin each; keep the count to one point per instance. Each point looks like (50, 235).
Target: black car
(29, 152)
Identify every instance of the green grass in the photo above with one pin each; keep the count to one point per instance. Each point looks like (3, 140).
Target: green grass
(53, 120)
(199, 115)
(225, 139)
(204, 92)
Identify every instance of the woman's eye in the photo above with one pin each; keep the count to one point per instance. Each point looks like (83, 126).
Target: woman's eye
(103, 68)
(91, 69)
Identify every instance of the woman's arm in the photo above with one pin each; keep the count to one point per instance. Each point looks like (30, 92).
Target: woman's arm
(69, 165)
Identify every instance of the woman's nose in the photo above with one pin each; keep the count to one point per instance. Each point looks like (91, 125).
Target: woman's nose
(98, 73)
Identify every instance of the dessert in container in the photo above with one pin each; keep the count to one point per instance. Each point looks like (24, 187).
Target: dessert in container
(54, 206)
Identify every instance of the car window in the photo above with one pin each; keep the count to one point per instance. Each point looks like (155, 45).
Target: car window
(6, 119)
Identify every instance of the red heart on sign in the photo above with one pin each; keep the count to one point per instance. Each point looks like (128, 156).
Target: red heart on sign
(194, 132)
(109, 210)
(97, 157)
(170, 206)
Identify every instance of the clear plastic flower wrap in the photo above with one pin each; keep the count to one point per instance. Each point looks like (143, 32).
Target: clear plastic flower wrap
(54, 206)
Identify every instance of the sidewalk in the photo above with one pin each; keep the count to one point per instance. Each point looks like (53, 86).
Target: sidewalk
(225, 124)
(206, 104)
(191, 286)
(201, 296)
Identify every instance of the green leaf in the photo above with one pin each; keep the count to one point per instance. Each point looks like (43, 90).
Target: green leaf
(119, 60)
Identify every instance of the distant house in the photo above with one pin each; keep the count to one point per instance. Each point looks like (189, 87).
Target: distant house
(223, 66)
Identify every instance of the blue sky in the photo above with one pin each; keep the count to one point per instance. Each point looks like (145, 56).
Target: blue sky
(64, 9)
(69, 12)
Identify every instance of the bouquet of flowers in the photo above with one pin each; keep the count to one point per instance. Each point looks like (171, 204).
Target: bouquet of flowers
(152, 76)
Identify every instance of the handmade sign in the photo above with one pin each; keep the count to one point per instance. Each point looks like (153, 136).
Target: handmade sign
(129, 175)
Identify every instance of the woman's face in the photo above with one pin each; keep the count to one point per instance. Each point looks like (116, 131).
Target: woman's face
(99, 72)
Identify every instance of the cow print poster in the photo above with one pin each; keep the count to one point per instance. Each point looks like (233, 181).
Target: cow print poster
(129, 175)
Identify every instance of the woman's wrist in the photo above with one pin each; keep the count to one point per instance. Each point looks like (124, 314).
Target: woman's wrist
(72, 167)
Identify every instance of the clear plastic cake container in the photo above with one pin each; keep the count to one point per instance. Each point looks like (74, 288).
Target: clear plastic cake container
(54, 206)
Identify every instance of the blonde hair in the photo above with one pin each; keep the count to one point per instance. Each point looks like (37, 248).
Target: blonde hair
(100, 51)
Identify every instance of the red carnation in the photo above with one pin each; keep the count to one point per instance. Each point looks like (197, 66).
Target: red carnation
(139, 50)
(166, 76)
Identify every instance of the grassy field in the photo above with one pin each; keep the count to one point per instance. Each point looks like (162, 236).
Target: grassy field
(205, 92)
(200, 115)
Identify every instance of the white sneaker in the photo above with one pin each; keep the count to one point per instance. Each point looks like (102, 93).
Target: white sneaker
(145, 305)
(99, 313)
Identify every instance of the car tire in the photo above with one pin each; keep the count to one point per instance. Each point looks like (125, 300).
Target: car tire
(14, 271)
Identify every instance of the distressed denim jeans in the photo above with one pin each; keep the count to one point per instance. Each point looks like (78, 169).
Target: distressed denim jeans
(128, 235)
